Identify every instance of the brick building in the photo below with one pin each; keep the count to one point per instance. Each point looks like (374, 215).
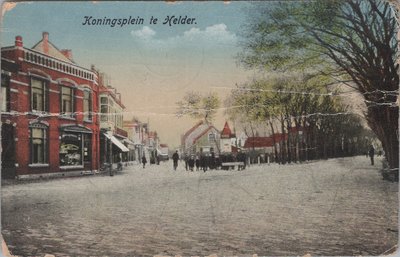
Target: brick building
(47, 117)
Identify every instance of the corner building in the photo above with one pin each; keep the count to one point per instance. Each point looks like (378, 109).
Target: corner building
(48, 112)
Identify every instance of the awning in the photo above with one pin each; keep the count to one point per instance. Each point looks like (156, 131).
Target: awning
(75, 128)
(129, 143)
(116, 142)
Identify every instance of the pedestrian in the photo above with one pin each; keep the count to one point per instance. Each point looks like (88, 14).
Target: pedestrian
(203, 162)
(144, 161)
(175, 158)
(186, 162)
(197, 162)
(371, 154)
(191, 163)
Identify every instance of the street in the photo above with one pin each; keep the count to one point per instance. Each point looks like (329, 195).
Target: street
(334, 207)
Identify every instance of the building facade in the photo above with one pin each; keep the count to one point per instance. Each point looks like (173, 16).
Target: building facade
(48, 106)
(228, 142)
(114, 142)
(202, 138)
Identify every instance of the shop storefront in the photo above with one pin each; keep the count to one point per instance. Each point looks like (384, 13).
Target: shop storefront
(75, 147)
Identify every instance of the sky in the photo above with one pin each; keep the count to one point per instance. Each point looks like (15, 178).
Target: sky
(152, 65)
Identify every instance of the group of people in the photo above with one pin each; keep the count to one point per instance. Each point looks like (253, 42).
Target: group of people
(209, 161)
(204, 162)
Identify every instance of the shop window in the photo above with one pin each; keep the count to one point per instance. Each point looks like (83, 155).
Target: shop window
(5, 93)
(66, 102)
(38, 142)
(87, 105)
(71, 149)
(39, 101)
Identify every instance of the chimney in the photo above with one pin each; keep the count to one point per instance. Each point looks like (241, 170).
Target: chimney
(45, 39)
(67, 53)
(18, 41)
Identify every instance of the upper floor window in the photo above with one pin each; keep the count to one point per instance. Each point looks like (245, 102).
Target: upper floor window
(87, 105)
(5, 93)
(104, 108)
(66, 103)
(39, 99)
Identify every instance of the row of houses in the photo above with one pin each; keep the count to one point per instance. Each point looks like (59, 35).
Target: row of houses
(61, 118)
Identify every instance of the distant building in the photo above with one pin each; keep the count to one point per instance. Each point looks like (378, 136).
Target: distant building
(261, 144)
(228, 142)
(47, 111)
(201, 138)
(135, 135)
(114, 142)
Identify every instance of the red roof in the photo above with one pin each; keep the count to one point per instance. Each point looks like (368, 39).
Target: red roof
(259, 142)
(226, 132)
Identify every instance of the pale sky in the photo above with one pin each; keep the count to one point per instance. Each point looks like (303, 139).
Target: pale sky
(152, 65)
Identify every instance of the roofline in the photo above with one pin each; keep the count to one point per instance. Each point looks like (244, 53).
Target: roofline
(204, 132)
(48, 41)
(192, 129)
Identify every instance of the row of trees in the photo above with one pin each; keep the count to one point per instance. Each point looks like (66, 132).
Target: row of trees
(309, 121)
(334, 43)
(351, 42)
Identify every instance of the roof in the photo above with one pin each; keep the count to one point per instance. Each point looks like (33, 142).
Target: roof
(259, 142)
(46, 47)
(204, 132)
(226, 132)
(192, 129)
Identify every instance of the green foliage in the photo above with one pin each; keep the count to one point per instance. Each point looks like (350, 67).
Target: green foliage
(351, 41)
(199, 106)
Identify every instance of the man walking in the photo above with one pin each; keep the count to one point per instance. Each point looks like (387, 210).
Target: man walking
(371, 154)
(144, 161)
(175, 158)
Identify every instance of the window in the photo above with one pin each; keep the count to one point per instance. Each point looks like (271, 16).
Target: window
(5, 93)
(39, 95)
(211, 137)
(87, 105)
(38, 142)
(67, 96)
(104, 108)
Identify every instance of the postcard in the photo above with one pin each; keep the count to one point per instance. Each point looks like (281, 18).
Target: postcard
(199, 128)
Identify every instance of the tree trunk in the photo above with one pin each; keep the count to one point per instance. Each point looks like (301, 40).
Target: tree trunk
(274, 141)
(384, 122)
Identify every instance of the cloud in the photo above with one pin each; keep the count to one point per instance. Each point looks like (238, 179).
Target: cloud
(145, 33)
(7, 6)
(213, 35)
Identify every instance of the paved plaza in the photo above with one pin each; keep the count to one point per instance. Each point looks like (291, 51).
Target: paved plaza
(333, 207)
